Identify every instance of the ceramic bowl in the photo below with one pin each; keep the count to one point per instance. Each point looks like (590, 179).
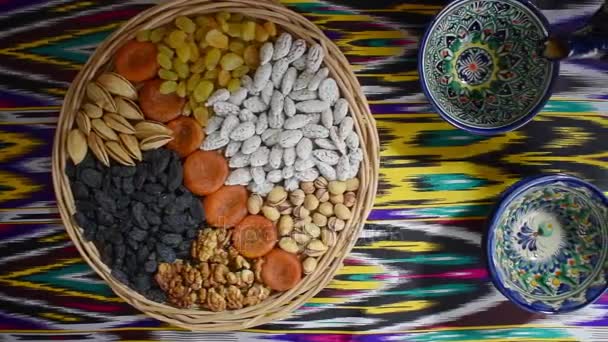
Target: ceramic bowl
(481, 64)
(547, 244)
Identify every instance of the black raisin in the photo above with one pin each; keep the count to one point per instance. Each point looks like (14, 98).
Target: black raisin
(123, 202)
(154, 229)
(174, 220)
(127, 186)
(156, 295)
(81, 220)
(87, 162)
(142, 254)
(133, 244)
(104, 217)
(120, 251)
(153, 189)
(106, 184)
(120, 276)
(117, 181)
(99, 166)
(150, 266)
(140, 175)
(159, 164)
(80, 190)
(183, 202)
(166, 199)
(105, 201)
(162, 179)
(91, 178)
(70, 170)
(171, 240)
(153, 218)
(89, 233)
(142, 282)
(164, 253)
(143, 197)
(191, 233)
(138, 234)
(152, 256)
(138, 210)
(131, 265)
(107, 254)
(170, 209)
(196, 210)
(86, 206)
(175, 176)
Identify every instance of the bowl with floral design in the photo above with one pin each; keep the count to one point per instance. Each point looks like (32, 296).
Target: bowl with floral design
(547, 244)
(482, 67)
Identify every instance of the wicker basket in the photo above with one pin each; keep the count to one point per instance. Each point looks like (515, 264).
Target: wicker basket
(279, 305)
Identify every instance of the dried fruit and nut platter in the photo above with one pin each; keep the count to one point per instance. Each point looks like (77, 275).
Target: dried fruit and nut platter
(215, 161)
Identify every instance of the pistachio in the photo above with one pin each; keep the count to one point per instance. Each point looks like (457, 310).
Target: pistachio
(118, 85)
(352, 184)
(319, 219)
(130, 144)
(83, 122)
(300, 212)
(326, 209)
(307, 187)
(328, 237)
(154, 142)
(289, 245)
(271, 213)
(92, 110)
(350, 198)
(146, 129)
(299, 223)
(311, 202)
(118, 123)
(337, 187)
(335, 199)
(315, 248)
(321, 183)
(322, 195)
(276, 196)
(285, 225)
(98, 148)
(312, 230)
(335, 224)
(254, 204)
(301, 238)
(285, 208)
(309, 265)
(101, 97)
(128, 109)
(118, 153)
(296, 197)
(342, 212)
(77, 146)
(102, 129)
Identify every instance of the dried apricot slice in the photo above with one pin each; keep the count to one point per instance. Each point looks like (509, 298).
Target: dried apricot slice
(158, 106)
(226, 207)
(281, 270)
(254, 236)
(187, 135)
(205, 172)
(136, 61)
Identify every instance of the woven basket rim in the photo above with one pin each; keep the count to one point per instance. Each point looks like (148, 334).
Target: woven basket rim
(279, 305)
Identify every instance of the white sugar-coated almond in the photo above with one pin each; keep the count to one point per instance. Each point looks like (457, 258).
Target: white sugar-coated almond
(229, 124)
(261, 124)
(271, 136)
(243, 131)
(314, 131)
(222, 108)
(276, 120)
(356, 155)
(261, 189)
(314, 58)
(266, 93)
(289, 107)
(304, 148)
(340, 111)
(255, 104)
(343, 170)
(352, 140)
(307, 175)
(327, 118)
(290, 138)
(298, 48)
(300, 63)
(220, 95)
(354, 169)
(303, 95)
(325, 144)
(261, 77)
(288, 80)
(240, 176)
(296, 122)
(247, 115)
(258, 175)
(288, 172)
(291, 184)
(326, 170)
(214, 141)
(312, 106)
(326, 156)
(346, 127)
(214, 123)
(239, 160)
(251, 145)
(260, 156)
(314, 118)
(337, 140)
(274, 176)
(232, 148)
(328, 91)
(316, 80)
(282, 46)
(276, 157)
(303, 164)
(247, 83)
(276, 103)
(238, 96)
(303, 80)
(278, 71)
(266, 52)
(289, 156)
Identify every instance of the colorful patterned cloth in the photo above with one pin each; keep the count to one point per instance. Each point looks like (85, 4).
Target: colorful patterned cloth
(417, 272)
